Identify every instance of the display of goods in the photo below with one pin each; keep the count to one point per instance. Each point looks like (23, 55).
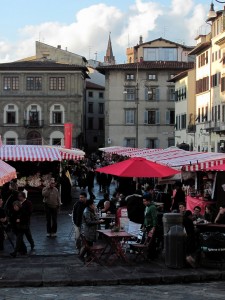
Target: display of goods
(22, 182)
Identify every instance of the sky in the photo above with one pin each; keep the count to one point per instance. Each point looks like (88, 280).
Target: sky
(83, 26)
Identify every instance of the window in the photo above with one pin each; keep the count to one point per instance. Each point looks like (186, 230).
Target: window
(56, 141)
(90, 123)
(57, 117)
(11, 83)
(130, 77)
(170, 117)
(130, 116)
(202, 85)
(152, 143)
(34, 83)
(90, 107)
(101, 108)
(218, 112)
(10, 141)
(171, 142)
(101, 124)
(171, 94)
(57, 83)
(203, 59)
(160, 54)
(101, 95)
(223, 113)
(90, 94)
(129, 142)
(152, 117)
(206, 114)
(129, 94)
(11, 117)
(215, 79)
(183, 119)
(152, 77)
(203, 114)
(152, 94)
(223, 84)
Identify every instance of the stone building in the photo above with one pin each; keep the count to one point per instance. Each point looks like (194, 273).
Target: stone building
(139, 100)
(95, 118)
(37, 98)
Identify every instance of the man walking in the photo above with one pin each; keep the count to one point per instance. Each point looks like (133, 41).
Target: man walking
(77, 215)
(52, 203)
(27, 207)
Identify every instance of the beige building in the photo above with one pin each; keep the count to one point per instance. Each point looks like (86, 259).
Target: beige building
(210, 85)
(37, 98)
(139, 100)
(185, 128)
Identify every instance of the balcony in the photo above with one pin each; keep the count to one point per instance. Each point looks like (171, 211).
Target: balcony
(33, 123)
(191, 128)
(210, 125)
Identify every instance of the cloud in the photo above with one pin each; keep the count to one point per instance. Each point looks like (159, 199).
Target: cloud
(181, 7)
(177, 20)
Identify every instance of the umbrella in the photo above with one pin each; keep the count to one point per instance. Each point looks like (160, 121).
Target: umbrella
(138, 167)
(7, 173)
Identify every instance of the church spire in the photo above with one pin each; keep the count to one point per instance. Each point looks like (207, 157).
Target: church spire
(109, 58)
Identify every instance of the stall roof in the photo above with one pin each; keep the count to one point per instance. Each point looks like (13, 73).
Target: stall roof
(7, 173)
(173, 157)
(37, 153)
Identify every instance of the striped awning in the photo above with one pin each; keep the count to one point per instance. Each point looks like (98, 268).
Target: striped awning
(173, 157)
(71, 154)
(7, 173)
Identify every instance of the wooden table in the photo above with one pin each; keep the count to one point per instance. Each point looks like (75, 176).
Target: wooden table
(211, 227)
(116, 240)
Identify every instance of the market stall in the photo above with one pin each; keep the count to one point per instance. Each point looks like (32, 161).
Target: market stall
(36, 165)
(7, 173)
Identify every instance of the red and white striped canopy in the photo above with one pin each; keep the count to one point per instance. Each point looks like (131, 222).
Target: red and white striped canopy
(7, 173)
(37, 153)
(173, 157)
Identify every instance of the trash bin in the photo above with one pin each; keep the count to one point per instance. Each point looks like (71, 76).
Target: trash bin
(175, 247)
(171, 219)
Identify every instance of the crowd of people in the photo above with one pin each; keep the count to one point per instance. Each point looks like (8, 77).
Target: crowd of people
(145, 203)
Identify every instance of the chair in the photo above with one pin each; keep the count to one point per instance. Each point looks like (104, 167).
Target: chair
(142, 249)
(95, 251)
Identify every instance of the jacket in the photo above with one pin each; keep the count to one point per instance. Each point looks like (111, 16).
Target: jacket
(150, 216)
(77, 213)
(51, 197)
(89, 224)
(135, 208)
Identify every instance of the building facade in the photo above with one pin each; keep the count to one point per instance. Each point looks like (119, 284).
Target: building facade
(37, 98)
(139, 103)
(139, 100)
(95, 116)
(185, 128)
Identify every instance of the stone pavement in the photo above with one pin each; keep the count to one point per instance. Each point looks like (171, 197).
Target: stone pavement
(55, 263)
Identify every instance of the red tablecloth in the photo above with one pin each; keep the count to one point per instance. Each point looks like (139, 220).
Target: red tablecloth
(192, 202)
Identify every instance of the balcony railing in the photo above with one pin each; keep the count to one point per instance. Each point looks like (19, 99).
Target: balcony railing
(210, 125)
(33, 123)
(191, 128)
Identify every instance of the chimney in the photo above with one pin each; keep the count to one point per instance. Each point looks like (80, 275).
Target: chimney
(140, 40)
(59, 46)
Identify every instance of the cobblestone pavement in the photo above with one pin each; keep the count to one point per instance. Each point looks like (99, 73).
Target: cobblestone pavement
(207, 291)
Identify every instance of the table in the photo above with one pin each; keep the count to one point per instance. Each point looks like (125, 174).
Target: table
(211, 227)
(192, 202)
(116, 240)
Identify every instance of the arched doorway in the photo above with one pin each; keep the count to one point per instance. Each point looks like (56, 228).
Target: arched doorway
(34, 138)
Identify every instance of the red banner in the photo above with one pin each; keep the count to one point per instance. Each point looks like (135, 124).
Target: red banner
(68, 132)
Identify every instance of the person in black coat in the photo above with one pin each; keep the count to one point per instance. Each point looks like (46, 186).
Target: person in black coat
(90, 182)
(65, 189)
(179, 197)
(135, 208)
(191, 237)
(77, 215)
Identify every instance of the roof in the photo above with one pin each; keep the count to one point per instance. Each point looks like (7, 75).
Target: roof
(173, 157)
(147, 65)
(93, 86)
(41, 65)
(165, 40)
(38, 153)
(179, 76)
(201, 47)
